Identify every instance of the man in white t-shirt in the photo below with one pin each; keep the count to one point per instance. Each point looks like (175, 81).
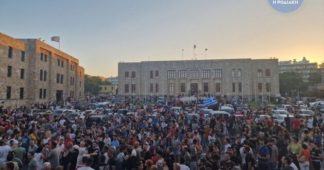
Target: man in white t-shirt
(4, 150)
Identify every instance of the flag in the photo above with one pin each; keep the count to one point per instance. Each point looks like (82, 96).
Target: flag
(55, 38)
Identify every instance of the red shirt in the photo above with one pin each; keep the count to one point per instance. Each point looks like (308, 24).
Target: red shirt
(296, 123)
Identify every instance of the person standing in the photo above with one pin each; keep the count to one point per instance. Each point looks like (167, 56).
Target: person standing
(316, 157)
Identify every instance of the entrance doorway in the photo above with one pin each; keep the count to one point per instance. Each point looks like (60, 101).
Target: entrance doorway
(194, 88)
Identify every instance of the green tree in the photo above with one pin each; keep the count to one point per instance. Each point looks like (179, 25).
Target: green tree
(92, 85)
(291, 84)
(314, 78)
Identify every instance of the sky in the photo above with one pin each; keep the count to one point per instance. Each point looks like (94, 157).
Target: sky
(101, 33)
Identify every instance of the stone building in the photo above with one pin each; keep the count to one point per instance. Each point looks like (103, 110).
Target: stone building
(245, 78)
(33, 72)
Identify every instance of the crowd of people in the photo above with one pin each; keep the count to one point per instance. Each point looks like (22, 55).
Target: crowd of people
(155, 138)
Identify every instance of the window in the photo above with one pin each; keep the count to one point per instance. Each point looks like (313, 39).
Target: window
(22, 56)
(239, 73)
(183, 87)
(126, 88)
(10, 52)
(182, 74)
(151, 74)
(260, 87)
(151, 88)
(62, 77)
(218, 73)
(240, 87)
(40, 93)
(133, 88)
(133, 74)
(171, 88)
(44, 93)
(268, 72)
(194, 74)
(62, 63)
(268, 87)
(42, 57)
(156, 87)
(233, 72)
(58, 62)
(57, 78)
(45, 58)
(260, 73)
(171, 74)
(233, 87)
(8, 92)
(22, 73)
(206, 87)
(206, 74)
(126, 74)
(70, 81)
(21, 93)
(41, 75)
(218, 87)
(9, 73)
(156, 73)
(45, 75)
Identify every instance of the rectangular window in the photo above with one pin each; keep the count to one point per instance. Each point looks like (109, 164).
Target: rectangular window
(268, 87)
(239, 73)
(182, 74)
(233, 72)
(57, 78)
(62, 77)
(41, 75)
(133, 74)
(260, 73)
(183, 87)
(45, 58)
(156, 87)
(171, 88)
(44, 93)
(126, 88)
(62, 63)
(22, 73)
(133, 88)
(206, 74)
(40, 93)
(126, 74)
(70, 81)
(58, 62)
(268, 72)
(218, 87)
(206, 87)
(8, 92)
(240, 87)
(151, 87)
(171, 74)
(42, 57)
(218, 73)
(260, 87)
(22, 56)
(10, 52)
(151, 74)
(233, 87)
(156, 73)
(45, 75)
(21, 93)
(9, 73)
(193, 74)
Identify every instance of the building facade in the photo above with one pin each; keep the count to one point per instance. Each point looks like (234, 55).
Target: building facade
(107, 90)
(245, 78)
(303, 67)
(34, 72)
